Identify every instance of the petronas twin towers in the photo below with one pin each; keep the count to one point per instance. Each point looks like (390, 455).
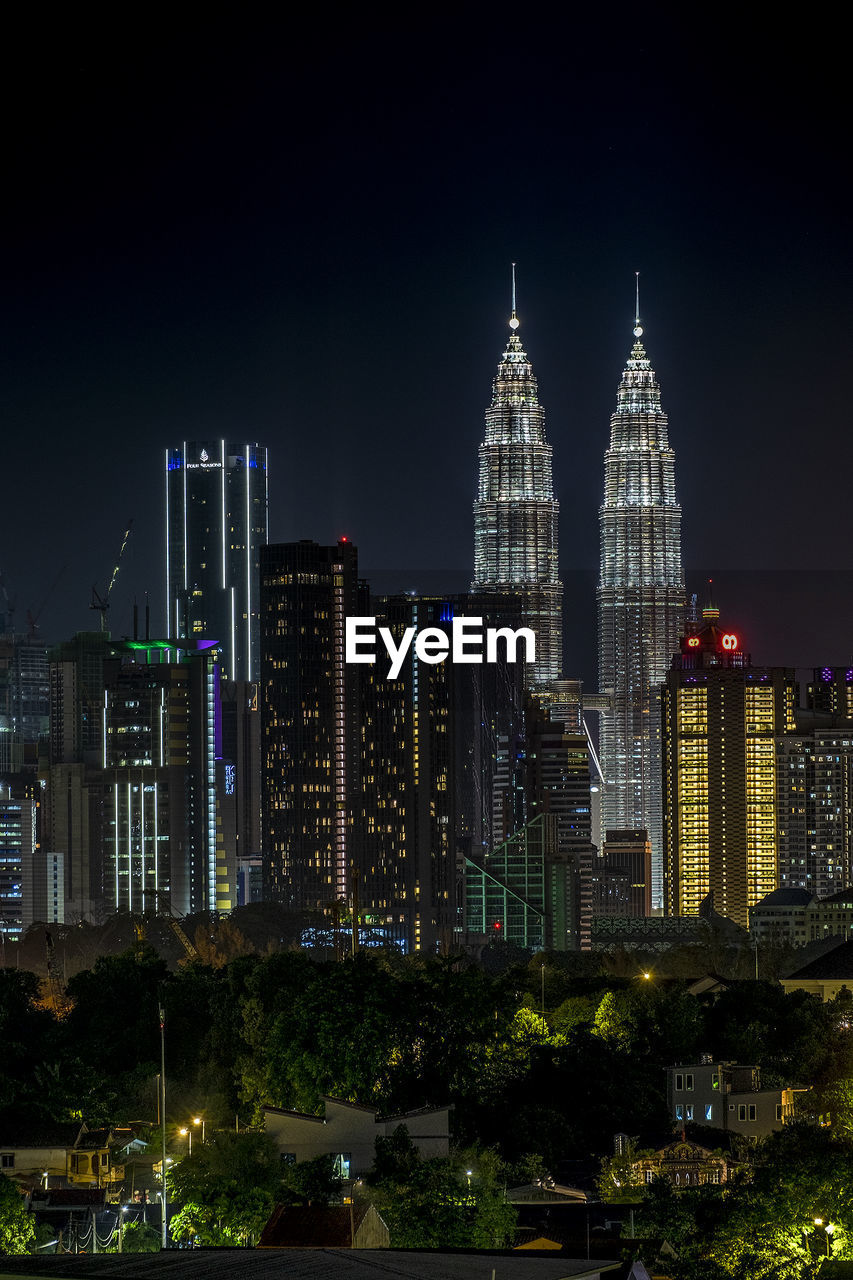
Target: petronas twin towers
(516, 513)
(641, 590)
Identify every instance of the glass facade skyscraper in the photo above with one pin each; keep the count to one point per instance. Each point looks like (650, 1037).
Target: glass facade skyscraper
(640, 603)
(217, 504)
(516, 514)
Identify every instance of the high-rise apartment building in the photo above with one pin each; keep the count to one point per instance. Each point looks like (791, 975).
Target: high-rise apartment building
(217, 520)
(309, 721)
(516, 514)
(815, 781)
(815, 809)
(404, 809)
(640, 602)
(721, 720)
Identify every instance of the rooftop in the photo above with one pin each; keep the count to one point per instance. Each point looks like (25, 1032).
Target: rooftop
(306, 1264)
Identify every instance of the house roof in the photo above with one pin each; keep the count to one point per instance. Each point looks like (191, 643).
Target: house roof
(306, 1264)
(26, 1135)
(69, 1198)
(837, 964)
(311, 1227)
(786, 898)
(418, 1111)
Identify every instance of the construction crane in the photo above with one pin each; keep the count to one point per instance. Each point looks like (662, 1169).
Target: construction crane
(102, 602)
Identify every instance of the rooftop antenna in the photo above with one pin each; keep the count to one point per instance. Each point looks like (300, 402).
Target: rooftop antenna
(710, 610)
(638, 328)
(514, 321)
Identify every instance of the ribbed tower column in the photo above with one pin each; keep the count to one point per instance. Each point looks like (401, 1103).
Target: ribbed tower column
(640, 603)
(516, 514)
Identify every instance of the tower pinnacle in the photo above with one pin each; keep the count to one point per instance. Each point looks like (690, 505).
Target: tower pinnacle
(514, 321)
(638, 328)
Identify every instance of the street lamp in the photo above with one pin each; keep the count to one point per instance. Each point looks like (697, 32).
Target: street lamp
(188, 1134)
(200, 1120)
(829, 1227)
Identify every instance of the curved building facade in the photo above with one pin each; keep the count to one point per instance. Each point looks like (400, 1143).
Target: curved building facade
(640, 603)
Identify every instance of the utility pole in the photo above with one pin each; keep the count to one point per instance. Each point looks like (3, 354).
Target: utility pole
(354, 910)
(164, 1228)
(543, 1000)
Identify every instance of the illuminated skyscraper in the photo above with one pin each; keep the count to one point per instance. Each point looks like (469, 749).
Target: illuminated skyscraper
(310, 729)
(640, 601)
(516, 514)
(216, 521)
(722, 723)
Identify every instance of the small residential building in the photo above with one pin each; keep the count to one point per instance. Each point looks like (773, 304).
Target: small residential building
(357, 1226)
(684, 1164)
(781, 917)
(723, 1095)
(826, 976)
(349, 1131)
(62, 1156)
(830, 917)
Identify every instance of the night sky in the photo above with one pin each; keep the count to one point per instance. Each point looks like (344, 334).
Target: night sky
(301, 232)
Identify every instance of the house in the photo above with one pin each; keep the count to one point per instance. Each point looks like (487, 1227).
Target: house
(70, 1155)
(349, 1131)
(826, 976)
(37, 1157)
(356, 1226)
(781, 917)
(723, 1095)
(684, 1164)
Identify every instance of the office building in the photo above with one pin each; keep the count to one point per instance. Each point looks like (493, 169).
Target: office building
(558, 776)
(18, 846)
(721, 719)
(516, 514)
(640, 602)
(621, 881)
(162, 783)
(216, 522)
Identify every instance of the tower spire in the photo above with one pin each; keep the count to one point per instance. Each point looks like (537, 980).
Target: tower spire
(514, 321)
(638, 328)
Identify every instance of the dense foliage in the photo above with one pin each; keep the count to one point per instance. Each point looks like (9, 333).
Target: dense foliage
(770, 1222)
(17, 1231)
(543, 1059)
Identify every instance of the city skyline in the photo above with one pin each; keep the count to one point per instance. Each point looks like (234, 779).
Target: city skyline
(201, 268)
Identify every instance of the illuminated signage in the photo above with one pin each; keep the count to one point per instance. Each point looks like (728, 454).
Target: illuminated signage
(730, 641)
(230, 776)
(693, 642)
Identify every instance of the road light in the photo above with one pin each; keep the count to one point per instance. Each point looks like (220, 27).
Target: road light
(829, 1227)
(188, 1134)
(200, 1120)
